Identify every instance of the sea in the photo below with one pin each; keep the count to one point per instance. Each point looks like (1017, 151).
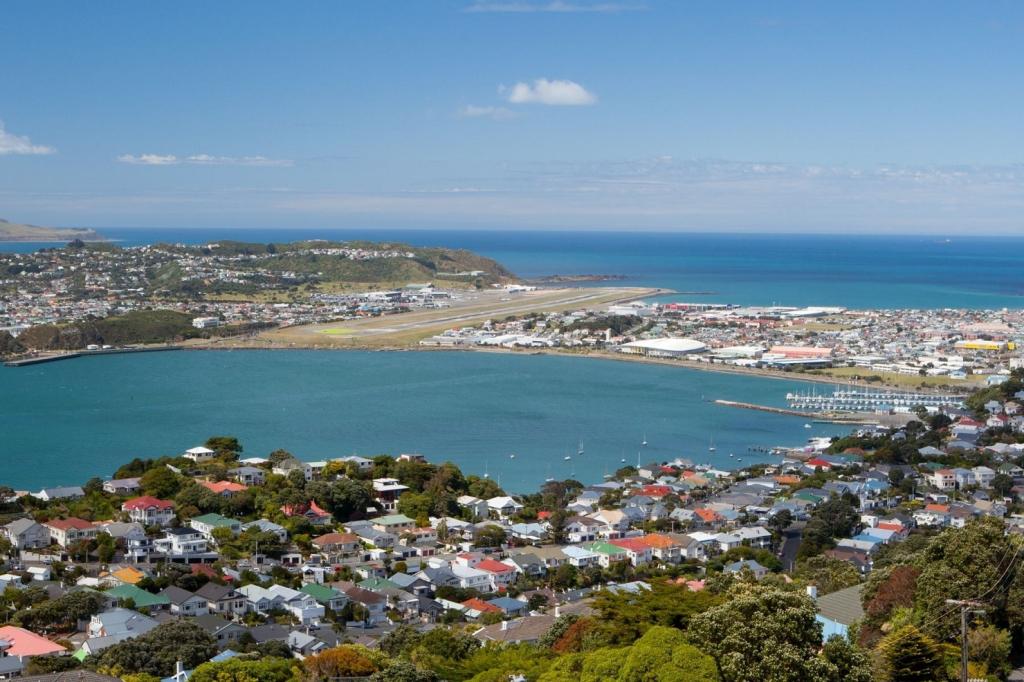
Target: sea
(64, 422)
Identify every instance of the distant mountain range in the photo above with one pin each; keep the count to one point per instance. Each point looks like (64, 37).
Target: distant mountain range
(16, 232)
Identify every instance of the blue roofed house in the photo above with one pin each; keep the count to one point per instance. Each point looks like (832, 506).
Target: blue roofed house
(838, 610)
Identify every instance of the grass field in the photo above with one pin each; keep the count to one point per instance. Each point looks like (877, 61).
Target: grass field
(896, 379)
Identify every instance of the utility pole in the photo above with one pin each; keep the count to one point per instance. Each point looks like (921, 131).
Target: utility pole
(966, 606)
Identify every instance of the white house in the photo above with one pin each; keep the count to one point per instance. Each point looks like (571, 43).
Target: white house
(199, 454)
(149, 511)
(504, 506)
(66, 532)
(265, 599)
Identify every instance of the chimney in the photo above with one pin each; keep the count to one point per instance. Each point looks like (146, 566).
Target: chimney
(557, 611)
(179, 670)
(504, 625)
(812, 591)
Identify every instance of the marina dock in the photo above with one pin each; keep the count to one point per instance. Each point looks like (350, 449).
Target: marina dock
(54, 357)
(826, 417)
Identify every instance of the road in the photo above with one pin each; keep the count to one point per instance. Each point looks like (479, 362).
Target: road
(792, 537)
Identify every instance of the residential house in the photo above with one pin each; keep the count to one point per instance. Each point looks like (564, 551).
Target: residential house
(339, 546)
(27, 534)
(476, 507)
(286, 467)
(264, 600)
(66, 532)
(267, 526)
(69, 492)
(225, 632)
(122, 486)
(222, 600)
(943, 479)
(502, 575)
(637, 551)
(839, 610)
(199, 454)
(504, 507)
(396, 524)
(248, 476)
(185, 603)
(149, 511)
(387, 491)
(207, 523)
(754, 567)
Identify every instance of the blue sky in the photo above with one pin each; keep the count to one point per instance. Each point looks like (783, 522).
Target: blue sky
(823, 117)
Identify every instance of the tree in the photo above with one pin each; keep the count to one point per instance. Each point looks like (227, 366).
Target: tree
(827, 574)
(347, 660)
(225, 447)
(991, 646)
(403, 671)
(157, 651)
(761, 634)
(160, 482)
(780, 521)
(346, 499)
(279, 455)
(975, 561)
(490, 536)
(910, 656)
(664, 655)
(246, 670)
(1002, 484)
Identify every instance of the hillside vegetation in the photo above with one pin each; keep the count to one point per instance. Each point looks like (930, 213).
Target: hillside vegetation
(17, 232)
(143, 326)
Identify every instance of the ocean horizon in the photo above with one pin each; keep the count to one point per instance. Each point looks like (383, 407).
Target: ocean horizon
(858, 271)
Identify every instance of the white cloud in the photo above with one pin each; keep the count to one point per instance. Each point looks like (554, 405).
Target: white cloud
(149, 159)
(19, 144)
(556, 6)
(494, 113)
(552, 92)
(201, 160)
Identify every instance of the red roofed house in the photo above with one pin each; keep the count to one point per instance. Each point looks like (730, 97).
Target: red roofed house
(25, 643)
(312, 511)
(663, 548)
(502, 575)
(480, 606)
(816, 462)
(708, 517)
(638, 551)
(655, 491)
(223, 487)
(66, 532)
(149, 511)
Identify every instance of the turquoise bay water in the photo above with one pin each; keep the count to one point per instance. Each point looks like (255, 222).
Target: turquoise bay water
(64, 422)
(67, 421)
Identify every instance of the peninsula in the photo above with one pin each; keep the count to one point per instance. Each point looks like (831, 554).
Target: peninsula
(17, 232)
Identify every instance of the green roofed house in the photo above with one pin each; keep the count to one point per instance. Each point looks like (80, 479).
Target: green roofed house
(608, 554)
(328, 597)
(141, 598)
(378, 585)
(393, 523)
(207, 523)
(808, 497)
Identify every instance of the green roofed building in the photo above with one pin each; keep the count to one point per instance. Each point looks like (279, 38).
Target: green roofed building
(207, 523)
(328, 597)
(378, 584)
(141, 598)
(393, 523)
(608, 553)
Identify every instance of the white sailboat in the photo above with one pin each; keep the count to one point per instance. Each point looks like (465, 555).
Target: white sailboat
(711, 445)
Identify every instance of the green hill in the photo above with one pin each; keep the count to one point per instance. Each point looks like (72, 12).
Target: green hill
(17, 232)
